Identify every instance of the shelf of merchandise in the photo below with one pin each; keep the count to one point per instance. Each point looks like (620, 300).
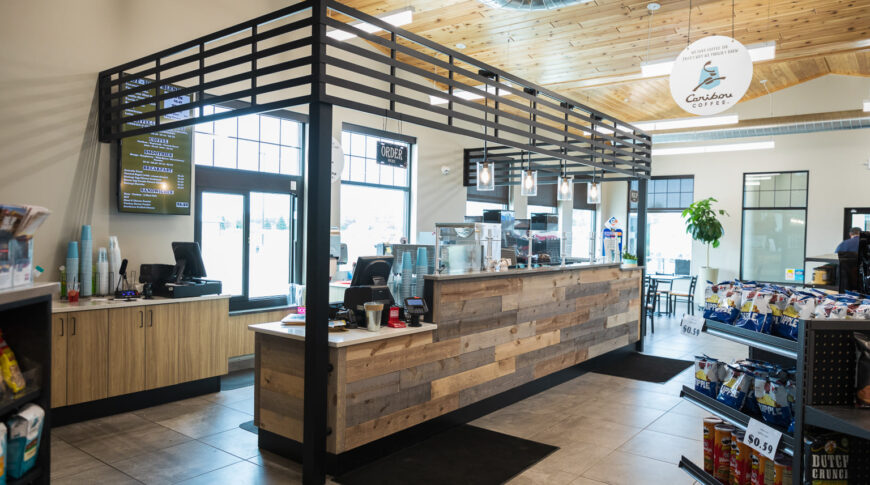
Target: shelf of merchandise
(696, 472)
(28, 395)
(758, 340)
(25, 319)
(791, 350)
(733, 416)
(842, 419)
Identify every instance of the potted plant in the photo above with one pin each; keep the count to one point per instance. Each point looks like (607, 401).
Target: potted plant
(703, 225)
(629, 259)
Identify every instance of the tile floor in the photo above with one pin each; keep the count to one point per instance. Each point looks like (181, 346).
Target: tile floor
(610, 430)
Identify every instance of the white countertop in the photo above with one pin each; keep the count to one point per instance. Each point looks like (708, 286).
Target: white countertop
(103, 303)
(528, 271)
(19, 293)
(339, 339)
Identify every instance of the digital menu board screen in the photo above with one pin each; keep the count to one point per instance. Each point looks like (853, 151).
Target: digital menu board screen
(155, 169)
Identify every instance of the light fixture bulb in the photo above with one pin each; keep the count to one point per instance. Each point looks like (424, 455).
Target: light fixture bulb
(566, 188)
(485, 180)
(593, 193)
(530, 183)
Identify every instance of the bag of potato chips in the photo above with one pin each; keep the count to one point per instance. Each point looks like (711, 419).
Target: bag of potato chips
(757, 314)
(735, 387)
(708, 375)
(772, 397)
(12, 375)
(729, 304)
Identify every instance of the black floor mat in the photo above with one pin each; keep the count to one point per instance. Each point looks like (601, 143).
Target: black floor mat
(464, 454)
(641, 367)
(249, 427)
(237, 379)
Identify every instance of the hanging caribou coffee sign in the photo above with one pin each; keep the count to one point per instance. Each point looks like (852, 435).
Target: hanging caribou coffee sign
(711, 75)
(393, 155)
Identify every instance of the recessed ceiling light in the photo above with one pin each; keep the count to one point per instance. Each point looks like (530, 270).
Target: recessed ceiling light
(757, 52)
(697, 122)
(461, 46)
(652, 7)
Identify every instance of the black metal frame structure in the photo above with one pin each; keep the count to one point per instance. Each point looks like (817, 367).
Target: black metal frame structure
(288, 59)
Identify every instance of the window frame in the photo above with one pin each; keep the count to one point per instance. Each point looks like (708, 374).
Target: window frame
(412, 144)
(242, 182)
(649, 209)
(743, 210)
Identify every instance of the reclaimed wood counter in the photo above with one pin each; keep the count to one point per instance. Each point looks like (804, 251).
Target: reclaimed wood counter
(493, 334)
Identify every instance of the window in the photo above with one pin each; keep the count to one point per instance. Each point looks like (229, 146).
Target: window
(248, 171)
(774, 226)
(668, 246)
(375, 199)
(543, 202)
(582, 233)
(258, 142)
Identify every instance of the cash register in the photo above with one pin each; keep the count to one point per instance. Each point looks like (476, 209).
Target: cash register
(369, 284)
(185, 279)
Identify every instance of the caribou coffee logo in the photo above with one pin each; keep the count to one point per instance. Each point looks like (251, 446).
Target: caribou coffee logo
(725, 72)
(710, 77)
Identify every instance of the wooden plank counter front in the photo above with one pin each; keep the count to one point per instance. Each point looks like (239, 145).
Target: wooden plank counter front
(495, 331)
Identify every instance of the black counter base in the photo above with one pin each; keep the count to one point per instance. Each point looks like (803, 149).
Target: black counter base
(132, 402)
(343, 462)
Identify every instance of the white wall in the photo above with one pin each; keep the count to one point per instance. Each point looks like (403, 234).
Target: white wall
(51, 54)
(836, 161)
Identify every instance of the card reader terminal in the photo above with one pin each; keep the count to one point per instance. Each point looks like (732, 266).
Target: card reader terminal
(416, 308)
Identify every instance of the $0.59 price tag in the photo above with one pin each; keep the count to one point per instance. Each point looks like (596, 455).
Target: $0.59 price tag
(762, 438)
(691, 325)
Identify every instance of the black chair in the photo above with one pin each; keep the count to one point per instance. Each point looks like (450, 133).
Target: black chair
(848, 272)
(663, 290)
(688, 297)
(650, 301)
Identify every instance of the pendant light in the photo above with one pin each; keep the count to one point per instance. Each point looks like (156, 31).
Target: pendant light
(593, 191)
(565, 190)
(529, 185)
(485, 170)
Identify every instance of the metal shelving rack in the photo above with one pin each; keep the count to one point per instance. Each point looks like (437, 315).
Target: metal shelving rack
(825, 360)
(829, 394)
(25, 314)
(761, 346)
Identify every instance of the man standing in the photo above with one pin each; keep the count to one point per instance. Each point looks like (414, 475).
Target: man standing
(850, 245)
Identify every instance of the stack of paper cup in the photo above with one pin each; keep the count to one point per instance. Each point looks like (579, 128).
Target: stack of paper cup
(114, 263)
(406, 276)
(102, 272)
(72, 263)
(422, 269)
(86, 264)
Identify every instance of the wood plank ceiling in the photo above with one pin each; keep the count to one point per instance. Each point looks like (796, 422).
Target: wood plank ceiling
(592, 52)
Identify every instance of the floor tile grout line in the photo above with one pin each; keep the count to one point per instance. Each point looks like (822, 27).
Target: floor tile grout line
(104, 463)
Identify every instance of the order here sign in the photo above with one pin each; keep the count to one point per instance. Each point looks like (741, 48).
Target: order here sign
(393, 155)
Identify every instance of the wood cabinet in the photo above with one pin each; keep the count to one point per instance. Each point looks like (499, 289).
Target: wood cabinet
(87, 356)
(126, 350)
(202, 339)
(162, 345)
(59, 329)
(116, 351)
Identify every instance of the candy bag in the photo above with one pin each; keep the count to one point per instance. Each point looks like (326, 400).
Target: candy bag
(12, 375)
